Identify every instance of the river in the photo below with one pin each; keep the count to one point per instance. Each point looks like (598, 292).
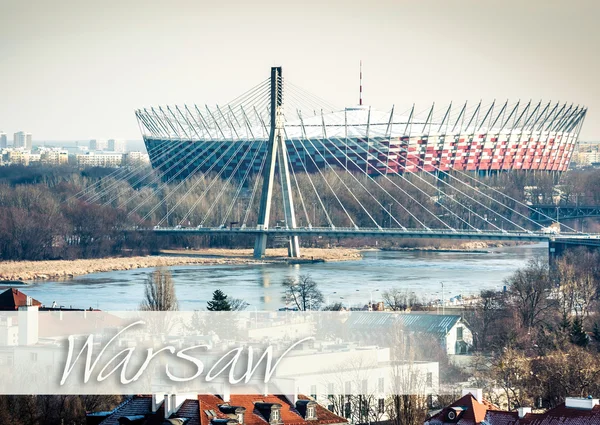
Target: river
(349, 282)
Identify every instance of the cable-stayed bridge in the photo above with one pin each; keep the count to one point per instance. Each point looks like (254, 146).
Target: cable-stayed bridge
(279, 161)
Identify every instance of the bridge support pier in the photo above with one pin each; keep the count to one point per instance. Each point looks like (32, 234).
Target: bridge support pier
(276, 158)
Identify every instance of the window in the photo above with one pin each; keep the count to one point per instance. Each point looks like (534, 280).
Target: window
(429, 382)
(380, 405)
(313, 391)
(330, 391)
(347, 410)
(459, 333)
(364, 405)
(274, 416)
(364, 386)
(310, 412)
(33, 357)
(381, 385)
(348, 388)
(240, 418)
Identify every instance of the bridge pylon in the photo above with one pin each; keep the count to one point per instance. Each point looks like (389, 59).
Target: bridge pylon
(276, 159)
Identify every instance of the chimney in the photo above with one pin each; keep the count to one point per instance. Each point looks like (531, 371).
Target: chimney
(156, 402)
(173, 406)
(475, 392)
(167, 406)
(293, 398)
(583, 403)
(28, 324)
(523, 411)
(226, 392)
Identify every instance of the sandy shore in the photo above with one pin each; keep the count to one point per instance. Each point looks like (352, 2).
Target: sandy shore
(61, 269)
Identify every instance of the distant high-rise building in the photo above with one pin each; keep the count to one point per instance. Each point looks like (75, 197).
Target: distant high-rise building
(97, 145)
(19, 139)
(116, 145)
(28, 141)
(3, 140)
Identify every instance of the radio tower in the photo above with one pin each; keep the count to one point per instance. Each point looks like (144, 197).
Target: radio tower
(360, 91)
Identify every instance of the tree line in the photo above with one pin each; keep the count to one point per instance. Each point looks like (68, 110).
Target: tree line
(66, 213)
(543, 333)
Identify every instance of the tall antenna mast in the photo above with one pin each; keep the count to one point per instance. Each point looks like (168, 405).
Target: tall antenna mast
(360, 91)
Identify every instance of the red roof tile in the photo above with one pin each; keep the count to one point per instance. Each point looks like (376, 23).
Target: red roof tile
(288, 412)
(476, 412)
(194, 410)
(564, 416)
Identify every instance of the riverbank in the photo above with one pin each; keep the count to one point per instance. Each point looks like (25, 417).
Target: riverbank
(64, 269)
(475, 247)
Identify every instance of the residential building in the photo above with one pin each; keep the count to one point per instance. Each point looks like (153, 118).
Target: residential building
(3, 140)
(55, 156)
(19, 139)
(208, 409)
(587, 153)
(137, 158)
(330, 370)
(450, 330)
(98, 145)
(20, 156)
(28, 141)
(115, 145)
(472, 409)
(12, 299)
(100, 159)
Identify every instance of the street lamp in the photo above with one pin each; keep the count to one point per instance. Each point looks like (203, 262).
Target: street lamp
(443, 300)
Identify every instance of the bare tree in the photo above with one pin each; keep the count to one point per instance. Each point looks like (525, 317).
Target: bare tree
(303, 292)
(238, 304)
(159, 292)
(512, 372)
(409, 400)
(578, 276)
(530, 290)
(398, 299)
(357, 400)
(488, 311)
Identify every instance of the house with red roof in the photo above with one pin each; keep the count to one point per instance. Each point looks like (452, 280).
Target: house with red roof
(208, 409)
(472, 409)
(12, 299)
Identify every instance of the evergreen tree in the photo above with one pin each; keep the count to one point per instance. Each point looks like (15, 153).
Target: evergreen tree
(596, 333)
(219, 302)
(578, 335)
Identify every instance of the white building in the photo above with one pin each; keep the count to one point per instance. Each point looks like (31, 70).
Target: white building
(19, 139)
(115, 145)
(137, 158)
(3, 140)
(451, 331)
(55, 156)
(98, 145)
(100, 159)
(21, 156)
(327, 371)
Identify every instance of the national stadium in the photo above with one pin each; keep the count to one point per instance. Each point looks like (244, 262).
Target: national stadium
(485, 139)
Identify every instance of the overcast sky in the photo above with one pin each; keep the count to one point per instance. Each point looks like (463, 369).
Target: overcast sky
(74, 70)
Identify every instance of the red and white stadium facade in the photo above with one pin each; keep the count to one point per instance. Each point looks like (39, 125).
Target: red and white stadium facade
(488, 139)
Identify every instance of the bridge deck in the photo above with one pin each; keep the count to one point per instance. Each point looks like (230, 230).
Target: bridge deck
(375, 232)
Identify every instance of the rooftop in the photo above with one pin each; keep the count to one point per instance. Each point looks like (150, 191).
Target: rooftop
(212, 409)
(469, 411)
